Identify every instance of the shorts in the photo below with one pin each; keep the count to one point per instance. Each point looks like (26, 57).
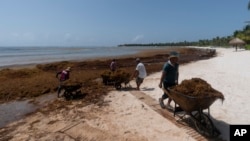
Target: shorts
(139, 80)
(167, 85)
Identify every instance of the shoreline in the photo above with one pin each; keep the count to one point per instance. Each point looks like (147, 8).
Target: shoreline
(136, 50)
(95, 92)
(77, 120)
(33, 65)
(141, 53)
(21, 81)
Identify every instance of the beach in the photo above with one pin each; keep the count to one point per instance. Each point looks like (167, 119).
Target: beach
(22, 81)
(229, 74)
(136, 115)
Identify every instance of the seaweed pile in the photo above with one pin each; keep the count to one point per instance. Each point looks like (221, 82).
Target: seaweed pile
(197, 87)
(118, 76)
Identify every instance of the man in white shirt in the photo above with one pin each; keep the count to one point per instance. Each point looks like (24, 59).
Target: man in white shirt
(139, 73)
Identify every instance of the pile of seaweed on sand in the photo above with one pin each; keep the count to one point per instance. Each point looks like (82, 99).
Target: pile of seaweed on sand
(197, 87)
(119, 76)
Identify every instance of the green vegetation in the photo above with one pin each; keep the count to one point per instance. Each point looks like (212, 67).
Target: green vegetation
(248, 46)
(218, 41)
(243, 34)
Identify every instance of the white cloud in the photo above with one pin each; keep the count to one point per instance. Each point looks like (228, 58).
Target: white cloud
(15, 35)
(138, 37)
(26, 36)
(68, 36)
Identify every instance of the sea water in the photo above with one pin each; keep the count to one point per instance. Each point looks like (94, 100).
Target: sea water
(15, 56)
(10, 56)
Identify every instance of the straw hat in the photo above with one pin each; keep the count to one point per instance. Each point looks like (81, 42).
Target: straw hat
(68, 69)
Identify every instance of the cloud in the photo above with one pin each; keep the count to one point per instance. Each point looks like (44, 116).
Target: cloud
(138, 37)
(25, 36)
(29, 36)
(68, 36)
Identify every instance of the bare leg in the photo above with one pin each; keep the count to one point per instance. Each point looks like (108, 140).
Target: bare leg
(169, 101)
(138, 86)
(138, 83)
(59, 89)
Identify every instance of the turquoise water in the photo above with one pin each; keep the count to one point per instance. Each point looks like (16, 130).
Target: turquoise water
(12, 56)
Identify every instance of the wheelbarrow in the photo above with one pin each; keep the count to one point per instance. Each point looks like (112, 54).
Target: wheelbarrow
(194, 106)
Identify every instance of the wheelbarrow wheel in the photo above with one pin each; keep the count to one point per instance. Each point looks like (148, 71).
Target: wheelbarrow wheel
(118, 86)
(67, 95)
(204, 125)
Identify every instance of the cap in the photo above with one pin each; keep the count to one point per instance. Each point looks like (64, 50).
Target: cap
(173, 54)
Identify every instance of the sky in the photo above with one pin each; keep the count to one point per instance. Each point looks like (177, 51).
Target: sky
(114, 22)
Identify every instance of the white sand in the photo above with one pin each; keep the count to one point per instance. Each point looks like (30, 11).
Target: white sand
(229, 73)
(128, 118)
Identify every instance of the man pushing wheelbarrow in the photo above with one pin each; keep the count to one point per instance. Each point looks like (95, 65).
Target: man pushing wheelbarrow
(192, 96)
(169, 77)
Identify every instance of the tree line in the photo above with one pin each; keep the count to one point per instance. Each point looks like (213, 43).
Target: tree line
(217, 41)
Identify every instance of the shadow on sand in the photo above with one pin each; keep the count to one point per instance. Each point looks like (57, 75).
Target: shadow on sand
(221, 127)
(134, 89)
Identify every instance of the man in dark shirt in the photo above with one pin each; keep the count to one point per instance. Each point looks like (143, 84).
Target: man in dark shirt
(169, 77)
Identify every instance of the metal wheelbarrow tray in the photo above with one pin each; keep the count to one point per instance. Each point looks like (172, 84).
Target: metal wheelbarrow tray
(194, 106)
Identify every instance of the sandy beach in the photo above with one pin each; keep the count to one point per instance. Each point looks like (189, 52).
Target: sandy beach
(229, 73)
(136, 115)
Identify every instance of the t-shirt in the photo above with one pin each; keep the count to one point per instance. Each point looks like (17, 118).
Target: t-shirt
(141, 69)
(171, 72)
(64, 75)
(113, 66)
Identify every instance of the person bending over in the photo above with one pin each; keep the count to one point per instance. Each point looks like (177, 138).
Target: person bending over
(62, 76)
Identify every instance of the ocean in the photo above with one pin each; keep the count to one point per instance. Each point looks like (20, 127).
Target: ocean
(17, 56)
